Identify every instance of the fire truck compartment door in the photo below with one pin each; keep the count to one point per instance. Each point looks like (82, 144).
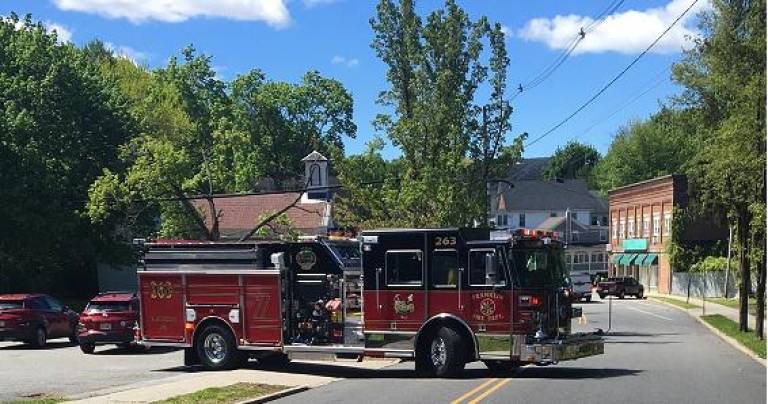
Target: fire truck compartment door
(162, 307)
(262, 315)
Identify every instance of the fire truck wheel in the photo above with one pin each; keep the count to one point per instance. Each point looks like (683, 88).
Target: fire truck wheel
(88, 348)
(217, 350)
(444, 353)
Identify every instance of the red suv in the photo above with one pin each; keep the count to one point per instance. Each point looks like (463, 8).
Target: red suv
(109, 318)
(35, 318)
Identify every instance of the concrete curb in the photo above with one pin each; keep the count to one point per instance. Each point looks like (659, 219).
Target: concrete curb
(275, 396)
(717, 332)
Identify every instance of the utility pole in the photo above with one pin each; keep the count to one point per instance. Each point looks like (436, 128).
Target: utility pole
(728, 263)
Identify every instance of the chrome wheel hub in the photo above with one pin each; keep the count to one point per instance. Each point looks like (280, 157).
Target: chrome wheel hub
(215, 348)
(438, 352)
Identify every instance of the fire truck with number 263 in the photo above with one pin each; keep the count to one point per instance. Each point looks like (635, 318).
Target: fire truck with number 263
(440, 297)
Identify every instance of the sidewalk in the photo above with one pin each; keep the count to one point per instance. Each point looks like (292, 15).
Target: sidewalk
(711, 308)
(191, 382)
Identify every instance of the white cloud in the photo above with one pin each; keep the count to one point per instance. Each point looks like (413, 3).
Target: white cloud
(273, 12)
(341, 60)
(624, 32)
(127, 52)
(63, 34)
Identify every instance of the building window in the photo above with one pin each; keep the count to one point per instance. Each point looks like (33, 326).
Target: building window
(567, 258)
(521, 219)
(667, 223)
(603, 235)
(575, 215)
(614, 230)
(656, 228)
(631, 228)
(594, 220)
(501, 220)
(646, 226)
(622, 228)
(605, 221)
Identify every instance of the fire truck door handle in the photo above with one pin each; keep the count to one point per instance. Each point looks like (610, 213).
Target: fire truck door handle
(461, 271)
(378, 275)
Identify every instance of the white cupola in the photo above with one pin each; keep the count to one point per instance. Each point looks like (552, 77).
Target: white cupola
(316, 175)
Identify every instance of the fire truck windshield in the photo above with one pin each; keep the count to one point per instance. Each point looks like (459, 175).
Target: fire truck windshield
(537, 267)
(347, 252)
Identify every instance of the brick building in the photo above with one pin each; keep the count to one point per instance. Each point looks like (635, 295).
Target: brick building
(640, 222)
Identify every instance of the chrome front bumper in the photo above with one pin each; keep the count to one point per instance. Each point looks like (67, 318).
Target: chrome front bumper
(557, 350)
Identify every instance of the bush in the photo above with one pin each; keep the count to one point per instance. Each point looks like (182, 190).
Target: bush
(711, 264)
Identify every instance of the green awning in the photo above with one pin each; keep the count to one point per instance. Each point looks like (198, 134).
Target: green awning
(616, 257)
(651, 259)
(627, 259)
(639, 259)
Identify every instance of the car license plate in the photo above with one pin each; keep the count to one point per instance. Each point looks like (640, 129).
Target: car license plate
(105, 326)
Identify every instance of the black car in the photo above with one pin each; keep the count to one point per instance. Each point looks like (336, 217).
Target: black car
(35, 318)
(620, 287)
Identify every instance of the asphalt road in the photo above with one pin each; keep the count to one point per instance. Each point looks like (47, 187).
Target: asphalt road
(61, 368)
(654, 354)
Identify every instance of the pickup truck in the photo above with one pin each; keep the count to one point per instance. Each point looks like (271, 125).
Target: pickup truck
(620, 287)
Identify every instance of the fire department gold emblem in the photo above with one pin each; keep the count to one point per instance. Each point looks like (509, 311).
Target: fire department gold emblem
(488, 307)
(404, 307)
(161, 290)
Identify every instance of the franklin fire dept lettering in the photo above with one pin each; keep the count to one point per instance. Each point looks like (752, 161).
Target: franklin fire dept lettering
(161, 290)
(486, 303)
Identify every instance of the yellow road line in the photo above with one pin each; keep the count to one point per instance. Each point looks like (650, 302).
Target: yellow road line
(489, 391)
(473, 391)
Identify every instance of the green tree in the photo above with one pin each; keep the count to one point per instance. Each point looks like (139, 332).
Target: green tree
(450, 140)
(724, 80)
(575, 160)
(61, 123)
(661, 145)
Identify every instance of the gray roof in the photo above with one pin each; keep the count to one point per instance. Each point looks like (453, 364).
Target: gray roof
(314, 156)
(528, 169)
(552, 195)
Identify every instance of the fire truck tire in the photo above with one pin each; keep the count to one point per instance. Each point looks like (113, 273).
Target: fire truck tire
(217, 349)
(445, 353)
(88, 348)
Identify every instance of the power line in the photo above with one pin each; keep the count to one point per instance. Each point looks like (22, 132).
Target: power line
(656, 81)
(552, 67)
(616, 78)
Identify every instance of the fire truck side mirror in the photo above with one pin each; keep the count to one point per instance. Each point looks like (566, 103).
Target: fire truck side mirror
(278, 260)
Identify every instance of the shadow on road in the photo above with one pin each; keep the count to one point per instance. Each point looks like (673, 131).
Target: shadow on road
(117, 351)
(638, 334)
(26, 347)
(573, 373)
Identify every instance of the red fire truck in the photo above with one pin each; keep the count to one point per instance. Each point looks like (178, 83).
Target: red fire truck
(441, 297)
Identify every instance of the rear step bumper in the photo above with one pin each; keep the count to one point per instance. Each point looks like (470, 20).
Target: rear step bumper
(574, 346)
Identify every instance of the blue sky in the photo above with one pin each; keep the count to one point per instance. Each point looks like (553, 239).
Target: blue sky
(286, 38)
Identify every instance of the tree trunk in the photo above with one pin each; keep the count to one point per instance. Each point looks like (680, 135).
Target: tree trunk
(743, 230)
(760, 317)
(271, 218)
(193, 212)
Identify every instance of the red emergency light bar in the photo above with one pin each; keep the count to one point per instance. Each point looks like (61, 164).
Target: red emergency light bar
(536, 234)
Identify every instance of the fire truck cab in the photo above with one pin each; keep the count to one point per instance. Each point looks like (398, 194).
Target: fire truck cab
(441, 297)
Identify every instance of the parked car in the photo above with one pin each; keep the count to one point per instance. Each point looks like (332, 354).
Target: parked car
(581, 287)
(109, 318)
(35, 318)
(620, 286)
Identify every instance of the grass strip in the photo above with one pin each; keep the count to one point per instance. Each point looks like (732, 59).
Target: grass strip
(39, 399)
(227, 394)
(734, 303)
(731, 329)
(678, 303)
